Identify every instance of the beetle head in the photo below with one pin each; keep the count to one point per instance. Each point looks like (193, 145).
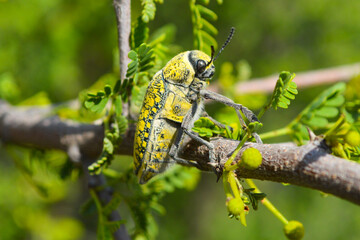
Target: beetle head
(202, 64)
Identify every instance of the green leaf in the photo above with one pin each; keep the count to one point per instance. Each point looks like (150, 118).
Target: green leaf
(145, 59)
(208, 27)
(99, 107)
(133, 65)
(107, 89)
(282, 105)
(255, 126)
(336, 101)
(317, 122)
(89, 103)
(284, 90)
(132, 55)
(205, 2)
(100, 93)
(206, 13)
(285, 100)
(208, 39)
(147, 67)
(140, 33)
(118, 105)
(142, 50)
(148, 13)
(327, 112)
(131, 72)
(117, 86)
(108, 146)
(327, 101)
(289, 95)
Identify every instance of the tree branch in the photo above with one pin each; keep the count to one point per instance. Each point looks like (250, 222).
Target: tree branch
(123, 22)
(309, 165)
(34, 127)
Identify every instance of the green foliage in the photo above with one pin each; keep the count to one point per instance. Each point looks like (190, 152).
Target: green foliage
(203, 30)
(319, 113)
(140, 33)
(285, 91)
(344, 139)
(161, 41)
(106, 228)
(73, 46)
(34, 178)
(141, 61)
(39, 99)
(115, 123)
(143, 200)
(206, 128)
(330, 114)
(253, 197)
(97, 102)
(35, 165)
(9, 90)
(148, 13)
(113, 137)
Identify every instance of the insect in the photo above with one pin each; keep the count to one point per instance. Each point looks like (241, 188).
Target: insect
(172, 103)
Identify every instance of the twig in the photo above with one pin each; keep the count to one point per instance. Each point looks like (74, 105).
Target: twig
(123, 21)
(310, 165)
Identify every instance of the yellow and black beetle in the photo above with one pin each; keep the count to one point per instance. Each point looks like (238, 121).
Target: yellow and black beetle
(172, 103)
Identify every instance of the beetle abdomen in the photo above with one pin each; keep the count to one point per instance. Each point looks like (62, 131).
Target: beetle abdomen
(153, 103)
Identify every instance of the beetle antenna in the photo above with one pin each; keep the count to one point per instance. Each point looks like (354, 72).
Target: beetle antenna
(212, 55)
(232, 31)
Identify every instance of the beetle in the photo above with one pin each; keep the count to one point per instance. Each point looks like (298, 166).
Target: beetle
(172, 103)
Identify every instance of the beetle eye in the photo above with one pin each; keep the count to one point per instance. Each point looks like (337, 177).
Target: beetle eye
(200, 66)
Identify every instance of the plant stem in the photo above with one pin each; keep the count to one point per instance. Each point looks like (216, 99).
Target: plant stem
(227, 165)
(275, 133)
(263, 110)
(267, 203)
(336, 125)
(225, 184)
(233, 185)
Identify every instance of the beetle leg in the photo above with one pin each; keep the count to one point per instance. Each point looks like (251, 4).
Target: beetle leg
(216, 122)
(174, 151)
(188, 122)
(238, 107)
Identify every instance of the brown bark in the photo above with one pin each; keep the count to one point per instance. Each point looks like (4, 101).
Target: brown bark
(310, 165)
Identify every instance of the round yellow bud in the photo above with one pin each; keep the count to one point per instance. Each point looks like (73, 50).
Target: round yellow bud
(352, 138)
(235, 206)
(251, 159)
(294, 230)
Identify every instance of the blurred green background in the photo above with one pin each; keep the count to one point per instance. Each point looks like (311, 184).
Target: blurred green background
(60, 47)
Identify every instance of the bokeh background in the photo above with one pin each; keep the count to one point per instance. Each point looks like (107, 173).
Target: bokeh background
(55, 49)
